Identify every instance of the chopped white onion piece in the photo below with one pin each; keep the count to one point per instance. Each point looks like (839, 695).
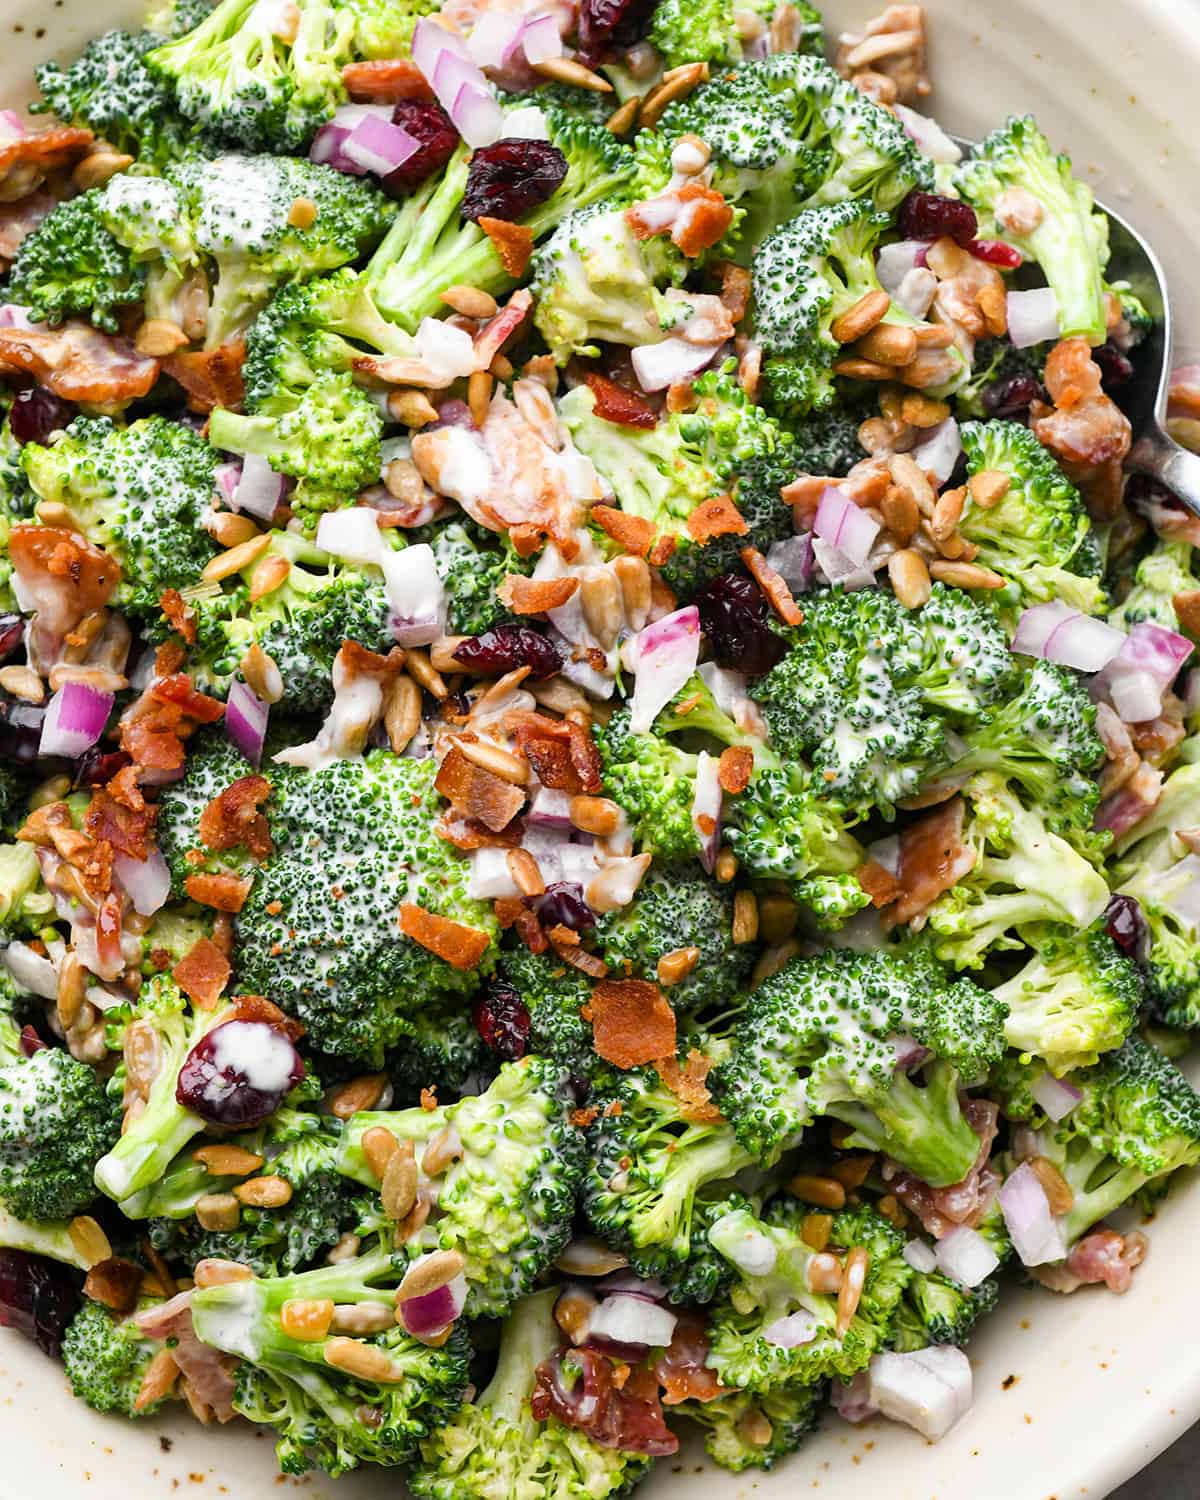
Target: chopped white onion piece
(931, 140)
(790, 1332)
(706, 808)
(1032, 317)
(147, 882)
(34, 974)
(965, 1256)
(490, 878)
(938, 451)
(1056, 1096)
(659, 365)
(628, 1319)
(416, 594)
(929, 1390)
(920, 1256)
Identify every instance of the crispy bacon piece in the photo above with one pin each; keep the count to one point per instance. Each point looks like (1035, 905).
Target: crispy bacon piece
(534, 596)
(79, 363)
(385, 81)
(562, 754)
(735, 768)
(634, 533)
(530, 931)
(179, 689)
(115, 822)
(211, 377)
(258, 1008)
(966, 1202)
(690, 1086)
(513, 242)
(478, 794)
(497, 331)
(108, 936)
(772, 586)
(20, 219)
(178, 615)
(462, 947)
(616, 403)
(880, 884)
(716, 517)
(63, 576)
(1102, 1257)
(1156, 738)
(695, 216)
(469, 833)
(221, 892)
(1137, 797)
(1085, 430)
(25, 162)
(682, 1368)
(631, 1021)
(933, 857)
(202, 973)
(152, 738)
(735, 288)
(580, 1388)
(232, 819)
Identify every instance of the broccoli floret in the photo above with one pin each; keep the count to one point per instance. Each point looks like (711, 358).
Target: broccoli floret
(14, 794)
(154, 1138)
(109, 89)
(827, 442)
(495, 1447)
(1023, 873)
(654, 782)
(818, 1038)
(138, 491)
(1157, 869)
(56, 1123)
(439, 1048)
(213, 763)
(708, 32)
(748, 1430)
(472, 563)
(1038, 536)
(554, 994)
(772, 1260)
(658, 1178)
(1078, 996)
(678, 908)
(1070, 240)
(1161, 574)
(71, 266)
(936, 1310)
(505, 1200)
(314, 1402)
(780, 830)
(106, 1358)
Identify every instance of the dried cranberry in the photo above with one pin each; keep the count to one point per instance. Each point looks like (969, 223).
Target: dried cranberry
(1012, 397)
(36, 413)
(38, 1297)
(1126, 925)
(928, 216)
(20, 730)
(502, 1019)
(506, 180)
(1116, 369)
(996, 253)
(432, 126)
(96, 767)
(563, 903)
(238, 1073)
(12, 629)
(733, 615)
(605, 24)
(506, 647)
(30, 1042)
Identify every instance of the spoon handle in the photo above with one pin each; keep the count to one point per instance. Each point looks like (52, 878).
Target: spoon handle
(1178, 468)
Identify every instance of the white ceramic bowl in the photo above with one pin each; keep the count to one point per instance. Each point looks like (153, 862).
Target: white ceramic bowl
(1073, 1394)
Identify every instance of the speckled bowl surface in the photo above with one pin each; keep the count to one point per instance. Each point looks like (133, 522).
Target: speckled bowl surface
(1073, 1395)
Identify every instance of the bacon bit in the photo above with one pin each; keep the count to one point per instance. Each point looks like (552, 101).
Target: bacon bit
(469, 833)
(690, 1087)
(513, 243)
(221, 892)
(716, 517)
(202, 973)
(209, 1373)
(933, 857)
(179, 689)
(1104, 1256)
(735, 288)
(561, 753)
(582, 1388)
(1156, 738)
(477, 793)
(179, 616)
(579, 958)
(118, 825)
(535, 596)
(232, 819)
(497, 331)
(108, 936)
(385, 81)
(124, 788)
(632, 533)
(25, 162)
(582, 1118)
(632, 1022)
(774, 589)
(168, 658)
(211, 377)
(1085, 430)
(880, 884)
(660, 554)
(79, 363)
(1135, 799)
(64, 576)
(428, 1099)
(704, 220)
(259, 1008)
(682, 1369)
(526, 538)
(735, 768)
(508, 909)
(460, 946)
(616, 403)
(530, 931)
(153, 742)
(95, 865)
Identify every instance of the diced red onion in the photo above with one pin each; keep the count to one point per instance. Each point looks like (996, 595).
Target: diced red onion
(929, 1390)
(792, 559)
(12, 127)
(920, 1256)
(633, 1320)
(928, 135)
(1136, 695)
(1058, 633)
(434, 1310)
(495, 37)
(1183, 900)
(227, 476)
(1032, 317)
(909, 1052)
(1056, 1096)
(1037, 1238)
(246, 717)
(666, 654)
(379, 146)
(259, 488)
(634, 1285)
(938, 451)
(852, 1400)
(327, 145)
(845, 526)
(490, 878)
(147, 882)
(549, 808)
(838, 568)
(74, 720)
(965, 1256)
(790, 1332)
(13, 316)
(659, 365)
(1147, 664)
(706, 808)
(416, 594)
(460, 86)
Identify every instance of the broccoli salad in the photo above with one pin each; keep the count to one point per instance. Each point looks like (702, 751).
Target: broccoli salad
(599, 776)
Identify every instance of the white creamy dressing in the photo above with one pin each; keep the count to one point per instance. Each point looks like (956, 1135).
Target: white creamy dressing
(240, 213)
(257, 1052)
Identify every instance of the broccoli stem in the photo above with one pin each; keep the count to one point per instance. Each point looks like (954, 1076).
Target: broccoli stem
(922, 1128)
(530, 1336)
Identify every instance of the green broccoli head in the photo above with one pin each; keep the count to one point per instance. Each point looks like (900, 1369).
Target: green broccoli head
(1023, 873)
(106, 1358)
(439, 1048)
(1159, 576)
(1078, 996)
(554, 994)
(1069, 240)
(678, 908)
(1038, 537)
(827, 442)
(213, 763)
(56, 1123)
(139, 492)
(709, 32)
(25, 903)
(820, 1036)
(495, 1447)
(71, 266)
(936, 1310)
(655, 783)
(317, 1405)
(753, 1430)
(472, 563)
